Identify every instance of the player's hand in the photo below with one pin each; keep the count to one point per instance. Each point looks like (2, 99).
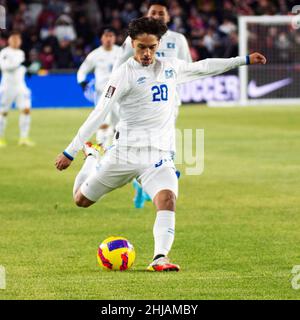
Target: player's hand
(257, 58)
(62, 162)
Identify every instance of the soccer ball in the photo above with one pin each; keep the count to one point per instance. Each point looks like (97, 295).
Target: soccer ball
(116, 253)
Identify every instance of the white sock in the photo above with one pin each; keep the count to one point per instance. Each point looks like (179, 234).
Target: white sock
(164, 232)
(3, 121)
(86, 169)
(24, 124)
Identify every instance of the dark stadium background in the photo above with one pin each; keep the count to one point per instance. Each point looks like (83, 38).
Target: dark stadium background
(59, 34)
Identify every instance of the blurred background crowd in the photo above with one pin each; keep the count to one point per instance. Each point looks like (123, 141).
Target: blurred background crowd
(59, 34)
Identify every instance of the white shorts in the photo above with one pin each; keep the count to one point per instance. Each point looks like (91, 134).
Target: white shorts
(20, 96)
(153, 168)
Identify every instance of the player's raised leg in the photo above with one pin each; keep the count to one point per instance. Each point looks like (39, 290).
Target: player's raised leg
(92, 155)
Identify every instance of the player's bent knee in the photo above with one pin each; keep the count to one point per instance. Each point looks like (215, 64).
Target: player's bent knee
(26, 111)
(81, 201)
(165, 200)
(104, 126)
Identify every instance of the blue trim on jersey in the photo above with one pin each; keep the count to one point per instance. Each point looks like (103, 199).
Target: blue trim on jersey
(247, 59)
(68, 156)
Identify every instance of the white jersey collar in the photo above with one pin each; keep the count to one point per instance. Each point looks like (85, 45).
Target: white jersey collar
(136, 64)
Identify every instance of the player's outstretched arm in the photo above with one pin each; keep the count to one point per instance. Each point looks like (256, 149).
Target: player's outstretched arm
(89, 127)
(114, 90)
(213, 66)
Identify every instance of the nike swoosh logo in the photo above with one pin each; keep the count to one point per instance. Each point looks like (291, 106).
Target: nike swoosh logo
(255, 92)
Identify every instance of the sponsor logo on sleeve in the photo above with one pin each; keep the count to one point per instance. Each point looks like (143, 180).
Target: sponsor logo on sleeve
(141, 80)
(110, 92)
(171, 45)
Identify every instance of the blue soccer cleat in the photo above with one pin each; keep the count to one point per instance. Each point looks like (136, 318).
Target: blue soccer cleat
(139, 199)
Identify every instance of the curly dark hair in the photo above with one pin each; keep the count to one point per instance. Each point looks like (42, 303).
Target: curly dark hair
(163, 3)
(146, 25)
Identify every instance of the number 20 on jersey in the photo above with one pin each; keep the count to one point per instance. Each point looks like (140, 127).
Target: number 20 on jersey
(160, 93)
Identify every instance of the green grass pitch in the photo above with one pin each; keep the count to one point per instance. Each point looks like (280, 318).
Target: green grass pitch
(237, 228)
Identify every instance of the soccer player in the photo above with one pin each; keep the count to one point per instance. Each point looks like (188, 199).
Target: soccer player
(101, 61)
(172, 45)
(13, 89)
(145, 87)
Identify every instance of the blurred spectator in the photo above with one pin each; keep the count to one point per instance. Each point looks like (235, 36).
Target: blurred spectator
(78, 57)
(63, 55)
(231, 47)
(47, 57)
(83, 28)
(210, 40)
(266, 7)
(203, 53)
(25, 13)
(34, 62)
(179, 19)
(194, 52)
(51, 40)
(46, 18)
(59, 6)
(64, 29)
(227, 27)
(195, 20)
(129, 13)
(60, 33)
(283, 46)
(31, 40)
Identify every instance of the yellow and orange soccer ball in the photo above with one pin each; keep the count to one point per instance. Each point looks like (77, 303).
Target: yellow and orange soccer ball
(116, 253)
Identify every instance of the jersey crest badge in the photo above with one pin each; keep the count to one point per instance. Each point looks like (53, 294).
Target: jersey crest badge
(169, 74)
(110, 92)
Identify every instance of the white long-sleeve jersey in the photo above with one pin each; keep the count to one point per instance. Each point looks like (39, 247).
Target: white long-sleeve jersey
(146, 97)
(172, 45)
(13, 72)
(101, 61)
